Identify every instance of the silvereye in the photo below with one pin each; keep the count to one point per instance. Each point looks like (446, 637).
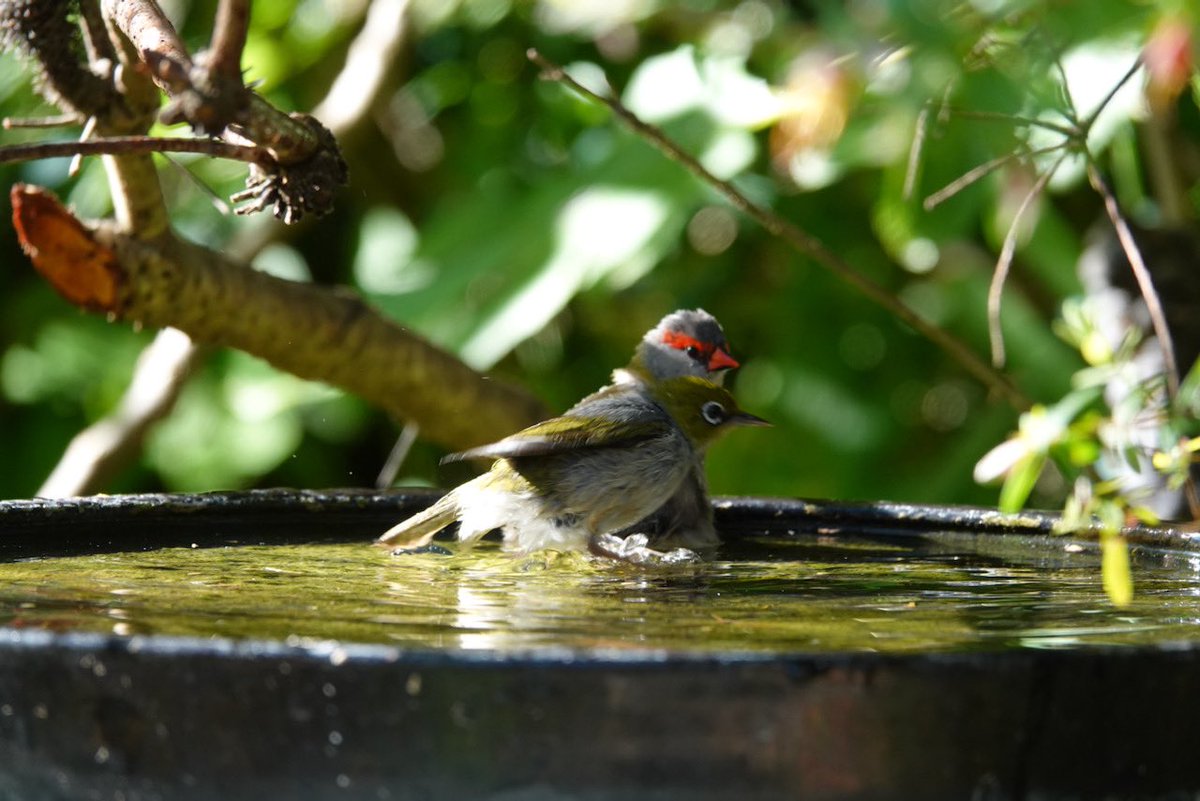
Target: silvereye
(685, 342)
(570, 482)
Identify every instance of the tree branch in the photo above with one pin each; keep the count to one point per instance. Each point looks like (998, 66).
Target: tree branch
(95, 34)
(55, 121)
(304, 329)
(1158, 318)
(979, 172)
(129, 145)
(1004, 262)
(100, 451)
(209, 94)
(229, 37)
(154, 39)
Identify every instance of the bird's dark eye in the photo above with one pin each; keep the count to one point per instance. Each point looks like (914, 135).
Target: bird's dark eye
(693, 351)
(713, 413)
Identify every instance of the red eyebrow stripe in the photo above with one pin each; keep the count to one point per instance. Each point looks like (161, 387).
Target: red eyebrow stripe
(716, 358)
(683, 342)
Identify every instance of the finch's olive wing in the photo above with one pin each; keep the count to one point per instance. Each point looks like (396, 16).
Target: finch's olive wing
(562, 435)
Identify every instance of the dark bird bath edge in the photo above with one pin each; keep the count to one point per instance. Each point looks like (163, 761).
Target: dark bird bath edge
(92, 714)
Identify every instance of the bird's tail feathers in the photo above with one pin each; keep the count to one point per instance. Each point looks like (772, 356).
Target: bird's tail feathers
(419, 529)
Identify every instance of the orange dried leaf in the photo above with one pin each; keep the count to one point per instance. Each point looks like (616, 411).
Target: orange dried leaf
(64, 251)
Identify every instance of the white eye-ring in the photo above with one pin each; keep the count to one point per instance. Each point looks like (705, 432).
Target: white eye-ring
(713, 413)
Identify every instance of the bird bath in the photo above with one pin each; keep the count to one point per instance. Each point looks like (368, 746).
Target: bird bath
(253, 645)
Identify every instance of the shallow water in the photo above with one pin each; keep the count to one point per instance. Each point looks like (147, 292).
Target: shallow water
(929, 593)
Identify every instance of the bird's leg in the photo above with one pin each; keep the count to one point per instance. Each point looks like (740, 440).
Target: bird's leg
(636, 550)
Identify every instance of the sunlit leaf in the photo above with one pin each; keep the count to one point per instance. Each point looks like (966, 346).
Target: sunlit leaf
(1145, 515)
(1132, 458)
(496, 266)
(1188, 398)
(1095, 348)
(1001, 459)
(1117, 577)
(1082, 452)
(1020, 482)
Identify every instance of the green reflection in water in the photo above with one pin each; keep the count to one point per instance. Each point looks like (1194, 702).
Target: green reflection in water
(940, 593)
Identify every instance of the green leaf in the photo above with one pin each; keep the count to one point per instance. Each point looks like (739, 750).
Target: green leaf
(1082, 451)
(1188, 398)
(1131, 457)
(1117, 577)
(1020, 482)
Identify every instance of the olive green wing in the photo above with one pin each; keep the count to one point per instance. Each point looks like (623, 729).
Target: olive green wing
(565, 434)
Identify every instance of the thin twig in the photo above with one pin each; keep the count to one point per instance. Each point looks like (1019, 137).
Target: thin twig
(1158, 318)
(57, 121)
(1076, 141)
(987, 168)
(1066, 90)
(399, 452)
(1087, 124)
(229, 38)
(216, 200)
(209, 103)
(1016, 119)
(799, 239)
(1000, 274)
(95, 34)
(914, 152)
(944, 109)
(128, 145)
(89, 130)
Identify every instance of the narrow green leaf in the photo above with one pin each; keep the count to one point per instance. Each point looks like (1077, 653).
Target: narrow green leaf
(1114, 562)
(1188, 398)
(1020, 481)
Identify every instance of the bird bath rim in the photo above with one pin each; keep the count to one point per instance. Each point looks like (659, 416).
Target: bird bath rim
(153, 716)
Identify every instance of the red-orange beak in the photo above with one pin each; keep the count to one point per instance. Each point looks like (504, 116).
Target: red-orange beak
(720, 360)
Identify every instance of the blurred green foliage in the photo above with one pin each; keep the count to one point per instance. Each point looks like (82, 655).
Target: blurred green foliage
(508, 219)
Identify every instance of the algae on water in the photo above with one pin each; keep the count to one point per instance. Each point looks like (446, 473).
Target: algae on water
(939, 593)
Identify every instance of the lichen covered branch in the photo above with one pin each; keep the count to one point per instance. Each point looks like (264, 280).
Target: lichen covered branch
(229, 37)
(100, 451)
(301, 328)
(305, 167)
